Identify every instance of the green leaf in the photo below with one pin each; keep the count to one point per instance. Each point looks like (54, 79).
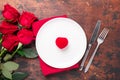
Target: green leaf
(6, 73)
(21, 53)
(10, 66)
(19, 75)
(7, 57)
(30, 52)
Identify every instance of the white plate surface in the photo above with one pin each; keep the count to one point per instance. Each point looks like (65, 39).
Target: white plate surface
(50, 53)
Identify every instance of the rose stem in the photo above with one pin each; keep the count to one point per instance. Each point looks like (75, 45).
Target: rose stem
(19, 46)
(3, 50)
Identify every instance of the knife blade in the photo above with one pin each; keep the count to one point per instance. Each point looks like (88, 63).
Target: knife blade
(95, 32)
(92, 40)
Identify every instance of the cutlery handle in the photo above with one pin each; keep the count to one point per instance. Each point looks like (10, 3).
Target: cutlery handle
(91, 59)
(85, 57)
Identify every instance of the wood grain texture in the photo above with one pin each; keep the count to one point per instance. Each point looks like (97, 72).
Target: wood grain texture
(106, 64)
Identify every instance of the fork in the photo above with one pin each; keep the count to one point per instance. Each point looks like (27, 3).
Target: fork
(100, 40)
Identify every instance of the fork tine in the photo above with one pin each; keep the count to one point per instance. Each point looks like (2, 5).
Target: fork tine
(101, 34)
(104, 33)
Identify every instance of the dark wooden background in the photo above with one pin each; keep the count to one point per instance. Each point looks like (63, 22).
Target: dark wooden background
(106, 64)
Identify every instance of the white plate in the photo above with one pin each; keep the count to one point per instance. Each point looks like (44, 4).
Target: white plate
(50, 53)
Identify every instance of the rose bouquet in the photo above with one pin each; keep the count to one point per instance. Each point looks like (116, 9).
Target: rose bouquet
(16, 35)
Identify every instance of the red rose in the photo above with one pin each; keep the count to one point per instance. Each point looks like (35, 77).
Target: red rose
(10, 13)
(6, 28)
(9, 42)
(26, 19)
(25, 36)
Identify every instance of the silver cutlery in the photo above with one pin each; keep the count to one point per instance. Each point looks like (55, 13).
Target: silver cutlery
(92, 40)
(100, 40)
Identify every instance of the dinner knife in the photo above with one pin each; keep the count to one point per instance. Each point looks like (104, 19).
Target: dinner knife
(92, 40)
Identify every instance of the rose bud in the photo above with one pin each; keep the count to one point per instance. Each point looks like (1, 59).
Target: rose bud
(25, 36)
(26, 19)
(7, 28)
(10, 13)
(10, 42)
